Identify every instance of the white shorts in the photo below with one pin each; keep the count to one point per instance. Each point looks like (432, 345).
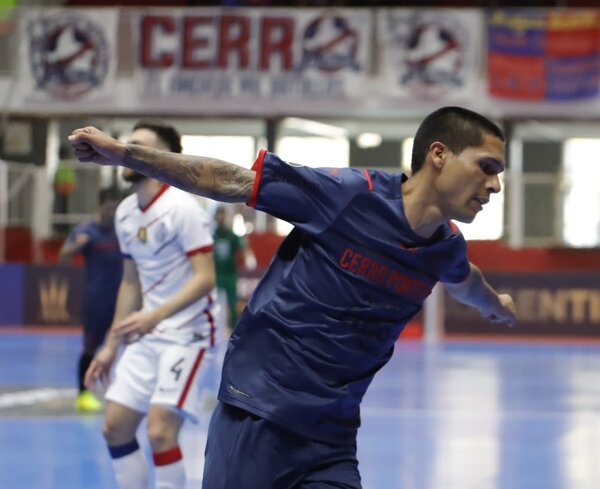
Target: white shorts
(155, 371)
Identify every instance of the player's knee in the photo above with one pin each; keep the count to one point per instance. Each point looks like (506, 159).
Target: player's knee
(116, 432)
(162, 436)
(112, 434)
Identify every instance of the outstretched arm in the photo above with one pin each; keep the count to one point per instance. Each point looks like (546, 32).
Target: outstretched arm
(475, 291)
(73, 246)
(208, 177)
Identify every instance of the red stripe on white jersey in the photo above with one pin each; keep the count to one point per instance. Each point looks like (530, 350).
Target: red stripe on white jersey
(148, 225)
(203, 249)
(164, 187)
(188, 382)
(155, 284)
(211, 319)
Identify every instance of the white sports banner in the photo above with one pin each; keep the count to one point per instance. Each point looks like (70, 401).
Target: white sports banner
(67, 55)
(231, 55)
(430, 54)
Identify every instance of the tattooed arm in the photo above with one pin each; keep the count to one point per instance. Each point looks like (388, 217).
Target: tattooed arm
(208, 177)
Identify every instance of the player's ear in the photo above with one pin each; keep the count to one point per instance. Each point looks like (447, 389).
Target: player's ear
(438, 152)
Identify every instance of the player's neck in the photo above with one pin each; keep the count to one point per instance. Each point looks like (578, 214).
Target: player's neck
(420, 209)
(146, 190)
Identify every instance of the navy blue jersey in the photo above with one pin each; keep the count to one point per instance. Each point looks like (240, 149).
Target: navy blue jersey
(103, 263)
(342, 286)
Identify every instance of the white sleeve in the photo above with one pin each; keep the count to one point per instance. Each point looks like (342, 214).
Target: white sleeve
(194, 227)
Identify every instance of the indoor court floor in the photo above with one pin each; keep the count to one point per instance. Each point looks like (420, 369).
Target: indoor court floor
(458, 414)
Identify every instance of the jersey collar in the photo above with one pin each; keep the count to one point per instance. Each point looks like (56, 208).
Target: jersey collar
(164, 187)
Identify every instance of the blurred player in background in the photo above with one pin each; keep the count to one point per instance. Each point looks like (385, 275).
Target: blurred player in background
(228, 248)
(97, 242)
(165, 314)
(366, 250)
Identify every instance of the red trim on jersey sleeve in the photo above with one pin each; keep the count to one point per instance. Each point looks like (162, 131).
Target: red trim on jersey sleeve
(411, 250)
(188, 382)
(164, 187)
(167, 457)
(203, 249)
(257, 167)
(368, 177)
(454, 227)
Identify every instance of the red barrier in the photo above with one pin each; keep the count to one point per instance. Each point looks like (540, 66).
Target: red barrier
(18, 242)
(495, 256)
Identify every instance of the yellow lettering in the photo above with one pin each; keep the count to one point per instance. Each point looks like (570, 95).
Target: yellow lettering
(547, 310)
(579, 299)
(561, 301)
(573, 306)
(595, 307)
(570, 20)
(525, 300)
(517, 23)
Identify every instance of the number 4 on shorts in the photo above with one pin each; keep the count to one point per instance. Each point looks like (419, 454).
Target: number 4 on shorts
(177, 368)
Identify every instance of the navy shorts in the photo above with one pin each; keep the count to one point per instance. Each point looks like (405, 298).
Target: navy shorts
(244, 451)
(97, 318)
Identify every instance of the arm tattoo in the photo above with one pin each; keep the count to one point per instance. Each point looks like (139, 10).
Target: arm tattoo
(232, 181)
(209, 177)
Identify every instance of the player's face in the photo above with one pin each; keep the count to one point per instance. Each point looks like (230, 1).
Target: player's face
(143, 137)
(220, 217)
(468, 179)
(107, 211)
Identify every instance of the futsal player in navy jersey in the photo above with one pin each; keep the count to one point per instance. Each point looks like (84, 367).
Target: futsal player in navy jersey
(97, 242)
(366, 249)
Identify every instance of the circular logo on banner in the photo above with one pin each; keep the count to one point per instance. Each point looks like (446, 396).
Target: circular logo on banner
(432, 57)
(330, 44)
(69, 55)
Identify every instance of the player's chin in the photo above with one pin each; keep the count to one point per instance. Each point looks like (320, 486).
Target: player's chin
(466, 217)
(132, 176)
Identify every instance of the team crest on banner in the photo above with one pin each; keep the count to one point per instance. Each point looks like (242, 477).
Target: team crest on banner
(330, 44)
(430, 54)
(67, 55)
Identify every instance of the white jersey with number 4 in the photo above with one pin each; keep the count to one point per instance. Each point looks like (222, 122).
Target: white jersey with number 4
(160, 238)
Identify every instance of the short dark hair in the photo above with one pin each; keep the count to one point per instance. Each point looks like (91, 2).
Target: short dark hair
(458, 128)
(167, 134)
(110, 193)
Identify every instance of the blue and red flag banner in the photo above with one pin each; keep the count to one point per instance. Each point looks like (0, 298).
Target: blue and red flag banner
(543, 54)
